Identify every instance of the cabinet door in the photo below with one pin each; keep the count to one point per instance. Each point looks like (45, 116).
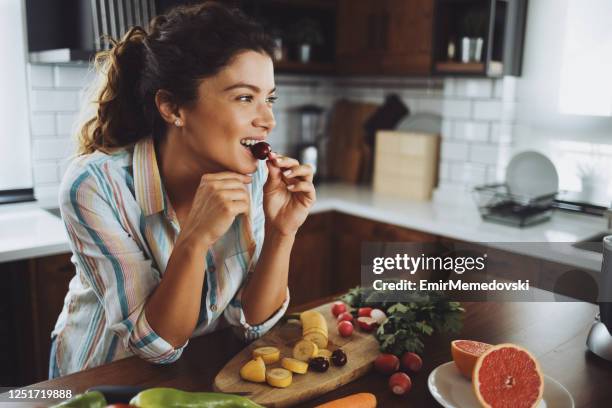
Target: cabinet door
(38, 288)
(358, 36)
(349, 233)
(408, 27)
(309, 267)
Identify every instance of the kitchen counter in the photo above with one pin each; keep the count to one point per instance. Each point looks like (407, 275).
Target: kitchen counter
(560, 349)
(27, 231)
(456, 216)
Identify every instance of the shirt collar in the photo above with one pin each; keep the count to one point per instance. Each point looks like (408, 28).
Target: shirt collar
(147, 180)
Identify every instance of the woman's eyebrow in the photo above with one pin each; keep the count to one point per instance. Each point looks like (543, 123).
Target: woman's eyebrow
(254, 88)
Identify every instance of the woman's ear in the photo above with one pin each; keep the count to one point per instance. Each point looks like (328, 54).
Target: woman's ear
(167, 108)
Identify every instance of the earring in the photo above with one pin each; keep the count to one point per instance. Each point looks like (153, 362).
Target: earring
(178, 122)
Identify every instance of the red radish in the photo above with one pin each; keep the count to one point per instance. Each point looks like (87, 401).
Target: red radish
(338, 308)
(400, 383)
(387, 364)
(366, 323)
(364, 311)
(412, 361)
(378, 315)
(345, 328)
(345, 316)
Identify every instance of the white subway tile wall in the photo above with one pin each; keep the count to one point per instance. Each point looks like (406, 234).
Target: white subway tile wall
(477, 126)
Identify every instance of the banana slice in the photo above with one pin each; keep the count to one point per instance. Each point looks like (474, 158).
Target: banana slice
(295, 366)
(324, 353)
(279, 377)
(319, 339)
(268, 354)
(304, 350)
(254, 370)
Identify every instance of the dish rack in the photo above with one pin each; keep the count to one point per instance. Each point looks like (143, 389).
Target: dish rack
(496, 203)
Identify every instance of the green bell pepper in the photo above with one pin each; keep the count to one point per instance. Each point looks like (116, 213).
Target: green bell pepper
(91, 399)
(173, 398)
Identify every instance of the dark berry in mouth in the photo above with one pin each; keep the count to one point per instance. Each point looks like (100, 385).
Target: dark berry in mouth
(261, 150)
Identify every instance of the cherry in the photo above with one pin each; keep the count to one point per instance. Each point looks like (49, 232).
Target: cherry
(261, 150)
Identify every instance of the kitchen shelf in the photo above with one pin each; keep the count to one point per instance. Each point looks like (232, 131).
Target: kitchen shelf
(460, 67)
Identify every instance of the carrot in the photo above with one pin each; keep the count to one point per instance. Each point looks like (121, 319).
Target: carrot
(361, 400)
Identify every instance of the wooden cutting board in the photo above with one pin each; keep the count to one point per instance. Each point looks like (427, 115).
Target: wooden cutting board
(361, 350)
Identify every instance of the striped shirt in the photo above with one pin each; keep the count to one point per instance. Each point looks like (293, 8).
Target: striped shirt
(122, 230)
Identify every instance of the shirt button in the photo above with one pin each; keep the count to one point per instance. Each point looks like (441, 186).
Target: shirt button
(213, 308)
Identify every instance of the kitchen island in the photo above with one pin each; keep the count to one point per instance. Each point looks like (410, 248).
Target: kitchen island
(554, 332)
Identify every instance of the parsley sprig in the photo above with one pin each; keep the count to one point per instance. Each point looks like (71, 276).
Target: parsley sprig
(422, 314)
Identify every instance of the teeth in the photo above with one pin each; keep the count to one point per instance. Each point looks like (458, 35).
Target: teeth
(248, 142)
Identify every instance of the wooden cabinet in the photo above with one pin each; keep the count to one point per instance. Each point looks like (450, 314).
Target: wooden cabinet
(384, 37)
(309, 272)
(497, 32)
(408, 36)
(34, 295)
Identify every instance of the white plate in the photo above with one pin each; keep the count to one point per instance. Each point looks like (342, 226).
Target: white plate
(452, 390)
(531, 174)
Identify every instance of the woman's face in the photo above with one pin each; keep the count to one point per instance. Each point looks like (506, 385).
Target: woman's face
(234, 105)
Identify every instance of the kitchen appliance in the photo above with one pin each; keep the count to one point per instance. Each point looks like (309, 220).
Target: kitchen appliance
(599, 340)
(311, 129)
(74, 32)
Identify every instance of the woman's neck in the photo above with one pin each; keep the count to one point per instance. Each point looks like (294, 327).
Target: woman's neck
(179, 169)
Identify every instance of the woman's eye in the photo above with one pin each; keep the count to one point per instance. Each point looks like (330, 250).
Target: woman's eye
(272, 99)
(245, 98)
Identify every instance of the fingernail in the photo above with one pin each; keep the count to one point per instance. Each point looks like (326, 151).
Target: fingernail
(290, 187)
(287, 172)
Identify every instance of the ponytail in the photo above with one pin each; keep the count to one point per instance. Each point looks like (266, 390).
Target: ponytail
(120, 119)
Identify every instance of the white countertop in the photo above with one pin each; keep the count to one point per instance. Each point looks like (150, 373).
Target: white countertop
(456, 216)
(28, 231)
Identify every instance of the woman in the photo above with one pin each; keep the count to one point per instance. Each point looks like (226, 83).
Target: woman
(174, 225)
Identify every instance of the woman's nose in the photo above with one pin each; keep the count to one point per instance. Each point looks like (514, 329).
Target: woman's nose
(265, 118)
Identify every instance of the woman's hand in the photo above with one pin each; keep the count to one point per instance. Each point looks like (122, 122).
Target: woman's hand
(220, 197)
(288, 194)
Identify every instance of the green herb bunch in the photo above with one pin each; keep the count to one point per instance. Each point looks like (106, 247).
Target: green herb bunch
(422, 314)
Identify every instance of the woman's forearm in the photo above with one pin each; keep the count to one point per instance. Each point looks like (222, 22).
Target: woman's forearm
(266, 290)
(173, 309)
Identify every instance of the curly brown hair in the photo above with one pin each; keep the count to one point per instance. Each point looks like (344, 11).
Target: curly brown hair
(182, 47)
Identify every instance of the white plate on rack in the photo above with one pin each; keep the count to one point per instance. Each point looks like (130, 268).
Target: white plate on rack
(531, 174)
(452, 390)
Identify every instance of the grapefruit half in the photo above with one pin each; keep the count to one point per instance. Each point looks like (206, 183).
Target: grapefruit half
(507, 375)
(465, 353)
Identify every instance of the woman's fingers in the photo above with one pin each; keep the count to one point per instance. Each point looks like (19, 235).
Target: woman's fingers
(234, 194)
(303, 170)
(303, 187)
(284, 162)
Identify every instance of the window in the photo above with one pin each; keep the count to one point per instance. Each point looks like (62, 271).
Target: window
(586, 64)
(15, 160)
